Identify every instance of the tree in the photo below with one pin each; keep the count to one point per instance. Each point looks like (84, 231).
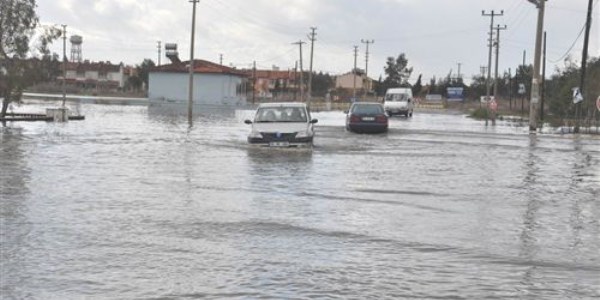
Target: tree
(418, 86)
(322, 83)
(18, 21)
(397, 72)
(143, 70)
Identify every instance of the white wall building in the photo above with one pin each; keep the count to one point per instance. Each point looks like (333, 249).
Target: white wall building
(96, 74)
(213, 84)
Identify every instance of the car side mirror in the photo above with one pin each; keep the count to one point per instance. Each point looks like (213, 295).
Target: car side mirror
(248, 122)
(314, 121)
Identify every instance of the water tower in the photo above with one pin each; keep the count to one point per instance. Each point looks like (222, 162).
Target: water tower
(172, 53)
(76, 42)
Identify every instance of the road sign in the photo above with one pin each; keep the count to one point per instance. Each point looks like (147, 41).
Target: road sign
(522, 89)
(598, 103)
(577, 97)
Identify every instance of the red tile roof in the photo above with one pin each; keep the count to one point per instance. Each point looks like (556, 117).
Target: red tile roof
(200, 66)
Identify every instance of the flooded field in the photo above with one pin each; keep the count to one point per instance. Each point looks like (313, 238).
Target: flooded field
(131, 204)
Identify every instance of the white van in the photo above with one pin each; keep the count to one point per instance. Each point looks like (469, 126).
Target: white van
(399, 101)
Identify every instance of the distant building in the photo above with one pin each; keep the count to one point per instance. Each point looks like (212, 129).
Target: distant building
(214, 84)
(270, 83)
(346, 81)
(95, 75)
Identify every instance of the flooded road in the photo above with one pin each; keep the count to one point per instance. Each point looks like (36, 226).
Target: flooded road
(130, 204)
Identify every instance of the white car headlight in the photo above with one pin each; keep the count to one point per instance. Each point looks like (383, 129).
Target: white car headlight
(303, 134)
(255, 134)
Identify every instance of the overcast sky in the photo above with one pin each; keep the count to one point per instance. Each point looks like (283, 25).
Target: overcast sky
(435, 35)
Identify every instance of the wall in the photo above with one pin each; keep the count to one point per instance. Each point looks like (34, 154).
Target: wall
(216, 89)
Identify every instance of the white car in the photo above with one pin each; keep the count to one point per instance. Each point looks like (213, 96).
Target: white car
(282, 125)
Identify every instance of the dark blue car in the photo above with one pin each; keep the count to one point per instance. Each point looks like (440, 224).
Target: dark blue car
(365, 117)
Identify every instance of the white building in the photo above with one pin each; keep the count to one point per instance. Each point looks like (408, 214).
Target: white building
(214, 84)
(98, 75)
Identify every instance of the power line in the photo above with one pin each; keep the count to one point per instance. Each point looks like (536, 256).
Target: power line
(574, 42)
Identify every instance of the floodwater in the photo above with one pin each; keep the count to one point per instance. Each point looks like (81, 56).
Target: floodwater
(131, 204)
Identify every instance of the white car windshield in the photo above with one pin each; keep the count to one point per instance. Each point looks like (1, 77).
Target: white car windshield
(281, 114)
(396, 97)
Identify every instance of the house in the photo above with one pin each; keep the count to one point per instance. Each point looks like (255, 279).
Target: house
(273, 83)
(347, 81)
(214, 84)
(95, 75)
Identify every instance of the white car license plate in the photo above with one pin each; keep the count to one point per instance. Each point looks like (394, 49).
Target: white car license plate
(279, 144)
(368, 118)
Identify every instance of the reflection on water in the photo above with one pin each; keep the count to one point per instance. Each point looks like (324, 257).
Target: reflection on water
(133, 204)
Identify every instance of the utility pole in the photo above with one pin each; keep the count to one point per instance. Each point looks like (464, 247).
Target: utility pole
(483, 70)
(254, 82)
(64, 81)
(458, 76)
(221, 59)
(191, 84)
(159, 49)
(536, 80)
(299, 43)
(490, 46)
(523, 71)
(543, 82)
(296, 80)
(498, 28)
(354, 74)
(588, 24)
(510, 90)
(367, 42)
(312, 39)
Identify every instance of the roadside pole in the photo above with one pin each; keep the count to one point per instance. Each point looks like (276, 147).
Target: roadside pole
(64, 65)
(367, 42)
(536, 80)
(299, 43)
(489, 69)
(496, 98)
(588, 24)
(312, 39)
(191, 66)
(354, 74)
(543, 82)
